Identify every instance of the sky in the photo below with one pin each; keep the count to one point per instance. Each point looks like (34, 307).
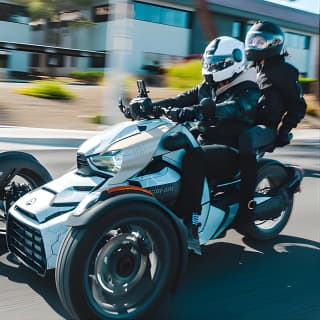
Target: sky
(305, 5)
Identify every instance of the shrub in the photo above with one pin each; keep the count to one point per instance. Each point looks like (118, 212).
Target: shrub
(97, 119)
(307, 84)
(90, 77)
(184, 75)
(313, 105)
(48, 89)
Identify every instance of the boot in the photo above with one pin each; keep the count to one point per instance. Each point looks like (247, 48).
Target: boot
(193, 235)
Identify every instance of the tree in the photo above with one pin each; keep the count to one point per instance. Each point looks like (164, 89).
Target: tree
(61, 14)
(52, 11)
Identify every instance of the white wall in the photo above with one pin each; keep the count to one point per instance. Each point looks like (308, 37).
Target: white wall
(16, 32)
(147, 37)
(305, 60)
(298, 58)
(314, 58)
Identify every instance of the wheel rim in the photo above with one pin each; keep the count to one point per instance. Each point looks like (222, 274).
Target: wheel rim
(265, 187)
(124, 270)
(119, 264)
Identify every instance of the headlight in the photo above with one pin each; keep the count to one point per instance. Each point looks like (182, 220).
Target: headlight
(110, 161)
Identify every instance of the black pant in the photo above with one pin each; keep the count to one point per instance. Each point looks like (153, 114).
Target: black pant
(211, 161)
(220, 162)
(249, 141)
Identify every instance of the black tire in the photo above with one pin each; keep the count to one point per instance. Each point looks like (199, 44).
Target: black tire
(273, 174)
(119, 267)
(21, 164)
(23, 169)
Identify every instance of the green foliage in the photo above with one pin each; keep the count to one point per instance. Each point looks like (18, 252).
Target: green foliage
(48, 89)
(90, 77)
(306, 80)
(98, 119)
(51, 9)
(308, 84)
(184, 75)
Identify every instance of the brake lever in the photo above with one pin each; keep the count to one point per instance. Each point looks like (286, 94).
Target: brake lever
(121, 106)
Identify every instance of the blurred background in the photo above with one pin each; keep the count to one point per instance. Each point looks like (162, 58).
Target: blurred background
(84, 54)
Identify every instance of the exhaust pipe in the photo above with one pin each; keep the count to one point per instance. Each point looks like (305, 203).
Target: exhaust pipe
(272, 207)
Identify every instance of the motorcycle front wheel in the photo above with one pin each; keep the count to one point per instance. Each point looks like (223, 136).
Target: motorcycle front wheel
(19, 173)
(270, 176)
(120, 266)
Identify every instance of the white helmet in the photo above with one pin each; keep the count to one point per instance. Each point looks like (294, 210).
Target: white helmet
(223, 59)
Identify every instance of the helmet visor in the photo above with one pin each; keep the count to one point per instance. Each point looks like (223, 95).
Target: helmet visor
(262, 40)
(213, 63)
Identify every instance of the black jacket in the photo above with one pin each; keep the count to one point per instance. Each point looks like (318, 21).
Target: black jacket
(282, 97)
(235, 107)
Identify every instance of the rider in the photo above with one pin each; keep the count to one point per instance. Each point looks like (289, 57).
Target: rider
(225, 100)
(281, 106)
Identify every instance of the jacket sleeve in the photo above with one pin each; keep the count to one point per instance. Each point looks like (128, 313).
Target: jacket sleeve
(270, 107)
(296, 107)
(185, 99)
(283, 96)
(241, 107)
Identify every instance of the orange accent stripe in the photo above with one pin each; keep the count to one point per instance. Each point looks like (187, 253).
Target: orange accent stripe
(129, 188)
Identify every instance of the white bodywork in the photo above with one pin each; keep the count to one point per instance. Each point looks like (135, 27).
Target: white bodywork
(46, 209)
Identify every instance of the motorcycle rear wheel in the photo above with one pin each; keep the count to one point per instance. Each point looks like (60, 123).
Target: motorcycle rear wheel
(270, 176)
(119, 267)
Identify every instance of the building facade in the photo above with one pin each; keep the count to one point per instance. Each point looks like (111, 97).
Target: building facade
(14, 26)
(161, 32)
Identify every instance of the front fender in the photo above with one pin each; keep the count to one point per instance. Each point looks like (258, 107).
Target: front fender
(15, 161)
(102, 207)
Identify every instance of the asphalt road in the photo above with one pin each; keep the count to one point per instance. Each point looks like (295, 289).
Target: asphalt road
(234, 279)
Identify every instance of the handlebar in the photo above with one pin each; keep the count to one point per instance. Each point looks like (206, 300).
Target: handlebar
(141, 107)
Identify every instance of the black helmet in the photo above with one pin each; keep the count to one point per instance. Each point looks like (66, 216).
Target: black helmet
(263, 40)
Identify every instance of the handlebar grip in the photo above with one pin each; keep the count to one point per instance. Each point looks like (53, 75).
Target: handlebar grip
(159, 111)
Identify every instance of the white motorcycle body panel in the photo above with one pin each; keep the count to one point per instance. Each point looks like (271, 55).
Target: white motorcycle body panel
(45, 210)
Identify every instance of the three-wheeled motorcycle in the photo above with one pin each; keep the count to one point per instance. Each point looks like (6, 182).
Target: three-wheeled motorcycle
(109, 228)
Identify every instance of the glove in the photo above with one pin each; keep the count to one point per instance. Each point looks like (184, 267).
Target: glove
(206, 109)
(140, 108)
(283, 138)
(127, 113)
(182, 114)
(124, 109)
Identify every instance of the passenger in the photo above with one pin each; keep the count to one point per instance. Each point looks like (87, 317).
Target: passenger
(281, 106)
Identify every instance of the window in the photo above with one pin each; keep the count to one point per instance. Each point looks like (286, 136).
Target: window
(100, 13)
(97, 62)
(55, 60)
(35, 60)
(248, 27)
(163, 15)
(236, 29)
(4, 59)
(295, 40)
(13, 13)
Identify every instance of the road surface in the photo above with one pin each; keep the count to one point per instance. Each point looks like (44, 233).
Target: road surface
(234, 279)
